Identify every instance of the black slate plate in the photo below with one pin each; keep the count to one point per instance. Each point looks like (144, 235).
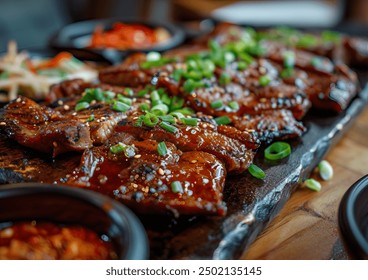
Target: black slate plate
(252, 203)
(76, 36)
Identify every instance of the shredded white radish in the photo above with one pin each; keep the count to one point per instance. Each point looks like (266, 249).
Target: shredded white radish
(15, 76)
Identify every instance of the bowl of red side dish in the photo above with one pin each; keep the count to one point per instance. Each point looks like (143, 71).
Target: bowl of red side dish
(353, 219)
(114, 39)
(39, 221)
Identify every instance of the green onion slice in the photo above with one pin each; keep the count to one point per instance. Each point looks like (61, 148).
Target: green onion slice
(233, 105)
(217, 104)
(312, 184)
(222, 120)
(277, 150)
(144, 107)
(160, 109)
(150, 119)
(90, 118)
(168, 127)
(256, 172)
(120, 106)
(162, 149)
(225, 79)
(124, 99)
(176, 187)
(168, 118)
(81, 106)
(325, 170)
(264, 80)
(189, 121)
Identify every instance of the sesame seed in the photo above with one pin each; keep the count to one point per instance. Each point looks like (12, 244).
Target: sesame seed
(137, 156)
(160, 171)
(66, 107)
(54, 144)
(2, 123)
(194, 161)
(60, 102)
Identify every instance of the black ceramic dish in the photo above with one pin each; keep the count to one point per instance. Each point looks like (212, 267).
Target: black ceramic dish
(77, 36)
(71, 206)
(353, 219)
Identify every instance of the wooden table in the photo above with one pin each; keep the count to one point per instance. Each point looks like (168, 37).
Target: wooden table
(307, 227)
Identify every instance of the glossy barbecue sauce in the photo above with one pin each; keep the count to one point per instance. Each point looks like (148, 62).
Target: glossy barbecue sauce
(33, 240)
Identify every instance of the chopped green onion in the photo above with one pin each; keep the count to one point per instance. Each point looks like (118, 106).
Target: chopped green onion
(81, 106)
(233, 105)
(142, 92)
(168, 127)
(124, 99)
(229, 57)
(307, 41)
(316, 62)
(168, 118)
(90, 118)
(331, 37)
(176, 187)
(162, 149)
(287, 73)
(160, 109)
(242, 65)
(139, 121)
(325, 170)
(150, 119)
(185, 111)
(217, 104)
(194, 75)
(129, 91)
(189, 121)
(289, 59)
(256, 172)
(312, 184)
(165, 99)
(190, 85)
(52, 73)
(277, 150)
(264, 80)
(177, 115)
(157, 63)
(144, 107)
(246, 58)
(128, 150)
(120, 106)
(225, 79)
(155, 98)
(222, 120)
(177, 74)
(176, 103)
(153, 56)
(108, 94)
(118, 148)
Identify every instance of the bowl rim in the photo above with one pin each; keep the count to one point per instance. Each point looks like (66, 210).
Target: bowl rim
(347, 221)
(62, 38)
(118, 213)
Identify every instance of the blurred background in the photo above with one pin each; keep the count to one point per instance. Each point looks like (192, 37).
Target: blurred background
(32, 22)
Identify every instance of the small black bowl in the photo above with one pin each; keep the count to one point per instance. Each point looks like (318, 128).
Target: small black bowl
(77, 35)
(72, 206)
(353, 219)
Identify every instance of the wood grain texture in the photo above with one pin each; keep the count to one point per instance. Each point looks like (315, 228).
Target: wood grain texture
(307, 227)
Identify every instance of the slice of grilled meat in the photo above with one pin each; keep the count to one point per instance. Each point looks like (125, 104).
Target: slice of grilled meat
(233, 147)
(270, 125)
(182, 182)
(43, 129)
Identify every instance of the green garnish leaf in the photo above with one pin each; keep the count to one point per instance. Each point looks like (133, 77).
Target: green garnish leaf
(225, 79)
(90, 118)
